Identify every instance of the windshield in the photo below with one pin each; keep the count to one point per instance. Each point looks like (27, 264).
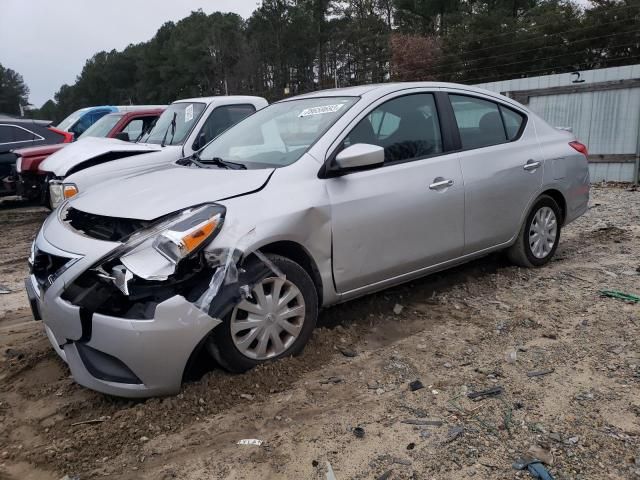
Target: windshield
(186, 116)
(279, 134)
(103, 126)
(70, 120)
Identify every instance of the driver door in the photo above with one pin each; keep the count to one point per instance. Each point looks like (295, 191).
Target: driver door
(406, 215)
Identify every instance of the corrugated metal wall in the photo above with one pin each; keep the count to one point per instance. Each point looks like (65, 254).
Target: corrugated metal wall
(607, 121)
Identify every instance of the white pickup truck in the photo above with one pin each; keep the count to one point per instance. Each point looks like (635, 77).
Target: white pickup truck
(183, 128)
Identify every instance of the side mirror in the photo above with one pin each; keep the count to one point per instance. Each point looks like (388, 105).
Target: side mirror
(124, 136)
(360, 155)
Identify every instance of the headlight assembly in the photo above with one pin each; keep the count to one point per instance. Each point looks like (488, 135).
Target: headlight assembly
(59, 192)
(187, 236)
(153, 253)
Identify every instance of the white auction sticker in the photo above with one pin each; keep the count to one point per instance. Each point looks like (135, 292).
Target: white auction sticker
(188, 114)
(307, 112)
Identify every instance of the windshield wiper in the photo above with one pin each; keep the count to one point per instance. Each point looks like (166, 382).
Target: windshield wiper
(172, 124)
(218, 162)
(193, 159)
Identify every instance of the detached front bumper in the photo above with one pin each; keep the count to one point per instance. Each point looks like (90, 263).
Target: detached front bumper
(117, 356)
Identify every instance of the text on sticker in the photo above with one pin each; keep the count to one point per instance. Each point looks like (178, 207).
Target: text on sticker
(307, 112)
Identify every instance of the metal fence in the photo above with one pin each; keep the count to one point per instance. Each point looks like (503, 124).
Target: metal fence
(602, 108)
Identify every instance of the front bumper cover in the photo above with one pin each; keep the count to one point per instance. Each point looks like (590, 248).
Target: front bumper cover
(117, 356)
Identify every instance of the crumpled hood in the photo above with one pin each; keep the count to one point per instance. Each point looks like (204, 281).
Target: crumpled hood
(89, 148)
(152, 194)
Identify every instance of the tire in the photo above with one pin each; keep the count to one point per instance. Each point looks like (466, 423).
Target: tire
(223, 343)
(521, 252)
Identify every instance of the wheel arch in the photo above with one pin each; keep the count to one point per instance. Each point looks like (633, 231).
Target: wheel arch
(297, 253)
(559, 199)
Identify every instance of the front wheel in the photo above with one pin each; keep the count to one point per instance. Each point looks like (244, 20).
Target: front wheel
(539, 236)
(275, 321)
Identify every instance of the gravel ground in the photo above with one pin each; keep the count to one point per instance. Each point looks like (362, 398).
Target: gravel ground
(483, 325)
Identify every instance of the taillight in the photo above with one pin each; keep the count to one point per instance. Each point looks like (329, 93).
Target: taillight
(580, 147)
(68, 137)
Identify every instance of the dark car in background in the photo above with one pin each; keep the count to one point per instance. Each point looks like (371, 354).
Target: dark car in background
(17, 133)
(128, 126)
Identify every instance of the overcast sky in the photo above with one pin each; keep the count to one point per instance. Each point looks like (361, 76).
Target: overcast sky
(48, 41)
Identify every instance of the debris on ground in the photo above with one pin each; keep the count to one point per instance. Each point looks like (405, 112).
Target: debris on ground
(88, 422)
(358, 432)
(397, 309)
(539, 373)
(250, 441)
(534, 467)
(628, 297)
(415, 385)
(4, 290)
(454, 433)
(420, 421)
(490, 392)
(331, 380)
(348, 352)
(330, 474)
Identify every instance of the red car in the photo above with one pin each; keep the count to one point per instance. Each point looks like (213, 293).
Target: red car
(128, 126)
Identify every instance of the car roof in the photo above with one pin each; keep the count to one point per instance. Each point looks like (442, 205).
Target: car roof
(226, 98)
(8, 120)
(141, 111)
(385, 88)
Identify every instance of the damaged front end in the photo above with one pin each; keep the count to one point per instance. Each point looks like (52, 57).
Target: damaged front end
(155, 261)
(131, 322)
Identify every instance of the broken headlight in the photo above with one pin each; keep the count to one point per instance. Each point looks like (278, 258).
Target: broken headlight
(188, 235)
(153, 253)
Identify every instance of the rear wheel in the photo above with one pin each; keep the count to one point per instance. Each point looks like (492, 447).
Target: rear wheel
(275, 321)
(539, 236)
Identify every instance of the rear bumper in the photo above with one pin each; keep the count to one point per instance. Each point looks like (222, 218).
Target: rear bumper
(578, 198)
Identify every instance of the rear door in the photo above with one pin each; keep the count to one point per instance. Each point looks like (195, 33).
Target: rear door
(501, 165)
(407, 214)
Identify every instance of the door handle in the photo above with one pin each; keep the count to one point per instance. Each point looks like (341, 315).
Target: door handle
(440, 183)
(531, 165)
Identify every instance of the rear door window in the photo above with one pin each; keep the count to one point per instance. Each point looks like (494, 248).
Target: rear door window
(81, 125)
(479, 121)
(6, 134)
(10, 134)
(134, 129)
(22, 135)
(406, 127)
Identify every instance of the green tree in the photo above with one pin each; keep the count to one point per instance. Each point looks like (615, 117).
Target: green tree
(13, 92)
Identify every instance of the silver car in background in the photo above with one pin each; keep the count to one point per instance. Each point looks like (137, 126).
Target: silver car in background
(309, 202)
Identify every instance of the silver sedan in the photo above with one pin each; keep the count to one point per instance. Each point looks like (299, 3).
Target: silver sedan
(312, 201)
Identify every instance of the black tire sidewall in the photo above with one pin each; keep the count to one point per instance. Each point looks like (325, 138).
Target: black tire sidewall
(225, 351)
(543, 201)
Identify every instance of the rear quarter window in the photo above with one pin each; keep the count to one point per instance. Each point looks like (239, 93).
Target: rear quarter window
(513, 122)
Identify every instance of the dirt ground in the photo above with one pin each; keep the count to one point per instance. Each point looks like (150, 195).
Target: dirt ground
(482, 325)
